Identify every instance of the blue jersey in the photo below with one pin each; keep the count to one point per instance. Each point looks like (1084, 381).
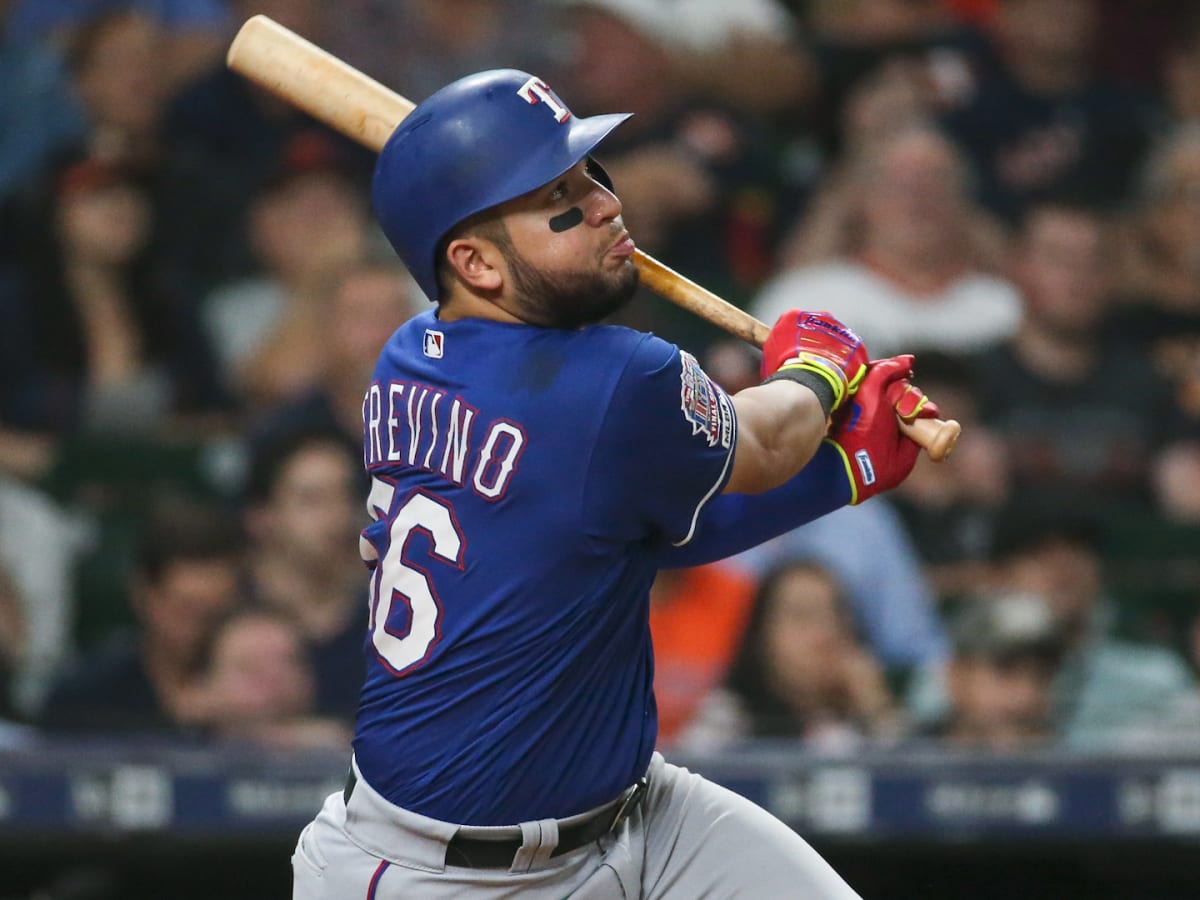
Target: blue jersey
(526, 485)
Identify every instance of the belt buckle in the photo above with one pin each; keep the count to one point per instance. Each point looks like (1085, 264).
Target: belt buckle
(628, 804)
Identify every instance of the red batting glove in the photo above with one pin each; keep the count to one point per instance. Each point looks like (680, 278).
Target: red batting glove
(805, 344)
(876, 452)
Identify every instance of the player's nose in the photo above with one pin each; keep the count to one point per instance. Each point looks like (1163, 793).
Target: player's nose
(604, 206)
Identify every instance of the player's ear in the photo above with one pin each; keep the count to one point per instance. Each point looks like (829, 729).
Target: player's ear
(477, 262)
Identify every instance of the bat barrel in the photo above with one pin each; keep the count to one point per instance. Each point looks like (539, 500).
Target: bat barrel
(316, 82)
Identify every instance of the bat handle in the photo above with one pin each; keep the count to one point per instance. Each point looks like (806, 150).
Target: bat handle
(937, 436)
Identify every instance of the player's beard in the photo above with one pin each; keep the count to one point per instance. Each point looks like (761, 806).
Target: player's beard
(573, 299)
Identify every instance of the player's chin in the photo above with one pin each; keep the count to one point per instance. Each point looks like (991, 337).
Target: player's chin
(624, 277)
(618, 266)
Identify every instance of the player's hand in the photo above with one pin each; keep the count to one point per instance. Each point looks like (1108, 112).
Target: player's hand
(805, 343)
(867, 434)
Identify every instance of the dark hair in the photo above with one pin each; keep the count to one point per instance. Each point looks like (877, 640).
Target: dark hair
(770, 714)
(177, 529)
(269, 458)
(1025, 527)
(235, 615)
(60, 329)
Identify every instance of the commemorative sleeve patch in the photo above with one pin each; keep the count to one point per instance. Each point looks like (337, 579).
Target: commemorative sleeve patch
(705, 406)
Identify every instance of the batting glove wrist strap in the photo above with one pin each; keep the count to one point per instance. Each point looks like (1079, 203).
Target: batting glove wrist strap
(820, 380)
(816, 342)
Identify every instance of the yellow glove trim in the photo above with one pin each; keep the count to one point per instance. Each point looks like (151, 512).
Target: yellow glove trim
(912, 414)
(857, 379)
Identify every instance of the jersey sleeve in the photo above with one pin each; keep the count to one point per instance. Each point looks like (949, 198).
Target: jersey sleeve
(735, 522)
(664, 448)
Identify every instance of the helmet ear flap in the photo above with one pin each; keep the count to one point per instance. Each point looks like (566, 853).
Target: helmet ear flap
(599, 174)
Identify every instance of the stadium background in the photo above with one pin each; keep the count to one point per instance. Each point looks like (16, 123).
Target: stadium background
(190, 286)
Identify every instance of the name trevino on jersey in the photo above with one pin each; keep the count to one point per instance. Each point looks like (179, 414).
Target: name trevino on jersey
(414, 425)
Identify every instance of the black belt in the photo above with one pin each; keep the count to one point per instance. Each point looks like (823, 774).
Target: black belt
(479, 853)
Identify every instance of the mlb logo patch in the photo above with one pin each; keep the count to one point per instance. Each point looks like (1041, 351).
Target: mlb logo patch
(434, 343)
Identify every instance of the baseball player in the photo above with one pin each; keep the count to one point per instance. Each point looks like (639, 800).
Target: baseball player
(531, 471)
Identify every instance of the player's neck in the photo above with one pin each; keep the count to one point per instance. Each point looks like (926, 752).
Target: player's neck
(466, 305)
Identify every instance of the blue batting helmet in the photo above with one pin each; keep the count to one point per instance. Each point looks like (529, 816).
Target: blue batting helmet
(474, 144)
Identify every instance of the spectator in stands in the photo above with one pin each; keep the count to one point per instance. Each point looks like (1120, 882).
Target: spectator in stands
(881, 102)
(124, 70)
(1105, 687)
(885, 61)
(951, 509)
(302, 500)
(696, 621)
(799, 673)
(1039, 121)
(369, 299)
(119, 63)
(258, 686)
(1159, 272)
(899, 88)
(909, 282)
(308, 223)
(1048, 391)
(185, 580)
(1158, 284)
(1007, 652)
(886, 592)
(98, 336)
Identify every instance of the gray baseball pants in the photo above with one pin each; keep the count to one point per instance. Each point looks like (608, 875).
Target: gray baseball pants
(687, 839)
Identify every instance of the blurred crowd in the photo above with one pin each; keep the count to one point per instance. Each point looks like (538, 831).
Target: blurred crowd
(193, 293)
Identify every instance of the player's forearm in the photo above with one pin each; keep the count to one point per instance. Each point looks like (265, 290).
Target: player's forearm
(780, 426)
(732, 523)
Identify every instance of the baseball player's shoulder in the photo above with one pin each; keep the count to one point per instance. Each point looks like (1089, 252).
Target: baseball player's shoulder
(639, 350)
(421, 335)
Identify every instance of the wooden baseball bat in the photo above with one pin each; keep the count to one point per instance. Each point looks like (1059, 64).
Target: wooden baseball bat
(331, 91)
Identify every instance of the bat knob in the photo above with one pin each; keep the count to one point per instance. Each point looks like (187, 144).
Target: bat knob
(936, 436)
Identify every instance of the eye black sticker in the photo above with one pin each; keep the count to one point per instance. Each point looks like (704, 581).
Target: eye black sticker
(566, 221)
